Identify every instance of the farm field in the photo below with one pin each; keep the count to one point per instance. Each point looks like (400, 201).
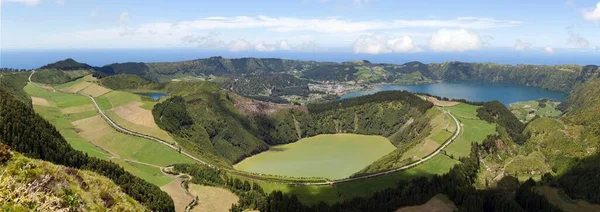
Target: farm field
(63, 110)
(135, 118)
(474, 130)
(177, 193)
(330, 156)
(526, 111)
(212, 199)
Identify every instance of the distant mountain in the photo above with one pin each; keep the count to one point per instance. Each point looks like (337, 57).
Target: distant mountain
(560, 78)
(67, 65)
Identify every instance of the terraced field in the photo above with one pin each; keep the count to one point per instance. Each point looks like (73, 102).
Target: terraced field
(77, 120)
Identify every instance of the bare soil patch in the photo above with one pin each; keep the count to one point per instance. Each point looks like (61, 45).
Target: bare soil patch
(439, 203)
(133, 113)
(428, 147)
(441, 103)
(95, 90)
(255, 107)
(180, 198)
(39, 101)
(92, 128)
(212, 199)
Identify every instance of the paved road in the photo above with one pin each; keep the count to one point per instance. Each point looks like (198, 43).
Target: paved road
(413, 164)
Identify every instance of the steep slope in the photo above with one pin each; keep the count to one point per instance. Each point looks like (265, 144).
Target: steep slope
(30, 184)
(28, 133)
(212, 121)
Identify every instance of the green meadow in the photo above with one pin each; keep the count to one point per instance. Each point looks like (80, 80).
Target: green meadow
(474, 129)
(124, 146)
(331, 156)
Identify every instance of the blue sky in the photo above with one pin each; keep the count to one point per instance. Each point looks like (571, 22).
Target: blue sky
(358, 26)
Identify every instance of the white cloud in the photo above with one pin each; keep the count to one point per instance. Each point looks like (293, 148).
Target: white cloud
(263, 47)
(124, 16)
(549, 50)
(576, 39)
(283, 45)
(60, 2)
(521, 45)
(309, 46)
(239, 45)
(378, 44)
(25, 2)
(455, 40)
(403, 44)
(592, 15)
(371, 44)
(334, 25)
(208, 41)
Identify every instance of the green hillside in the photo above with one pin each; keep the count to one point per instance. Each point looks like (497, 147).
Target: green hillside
(35, 185)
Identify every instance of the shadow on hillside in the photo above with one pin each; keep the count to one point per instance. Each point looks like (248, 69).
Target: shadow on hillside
(346, 191)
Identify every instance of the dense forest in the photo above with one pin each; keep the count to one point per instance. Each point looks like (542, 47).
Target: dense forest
(496, 112)
(67, 65)
(28, 133)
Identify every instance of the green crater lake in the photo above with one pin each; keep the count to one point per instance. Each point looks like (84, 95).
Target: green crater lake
(333, 156)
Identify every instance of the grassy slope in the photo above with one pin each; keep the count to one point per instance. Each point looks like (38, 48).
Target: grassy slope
(147, 151)
(23, 189)
(474, 129)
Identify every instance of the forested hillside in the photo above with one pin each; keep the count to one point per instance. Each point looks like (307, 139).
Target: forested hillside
(560, 77)
(28, 133)
(207, 119)
(13, 83)
(283, 80)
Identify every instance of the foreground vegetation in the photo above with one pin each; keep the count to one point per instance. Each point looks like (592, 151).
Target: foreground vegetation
(30, 184)
(28, 133)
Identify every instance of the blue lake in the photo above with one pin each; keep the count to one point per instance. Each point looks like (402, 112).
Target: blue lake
(473, 91)
(155, 96)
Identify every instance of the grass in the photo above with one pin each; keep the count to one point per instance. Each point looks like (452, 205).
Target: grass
(212, 199)
(63, 123)
(20, 174)
(439, 202)
(148, 173)
(61, 100)
(119, 98)
(331, 194)
(560, 199)
(474, 130)
(152, 131)
(330, 156)
(526, 111)
(128, 147)
(103, 103)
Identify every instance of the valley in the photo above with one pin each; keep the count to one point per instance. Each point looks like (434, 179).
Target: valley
(328, 152)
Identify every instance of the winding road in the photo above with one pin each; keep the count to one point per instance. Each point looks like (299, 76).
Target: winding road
(256, 177)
